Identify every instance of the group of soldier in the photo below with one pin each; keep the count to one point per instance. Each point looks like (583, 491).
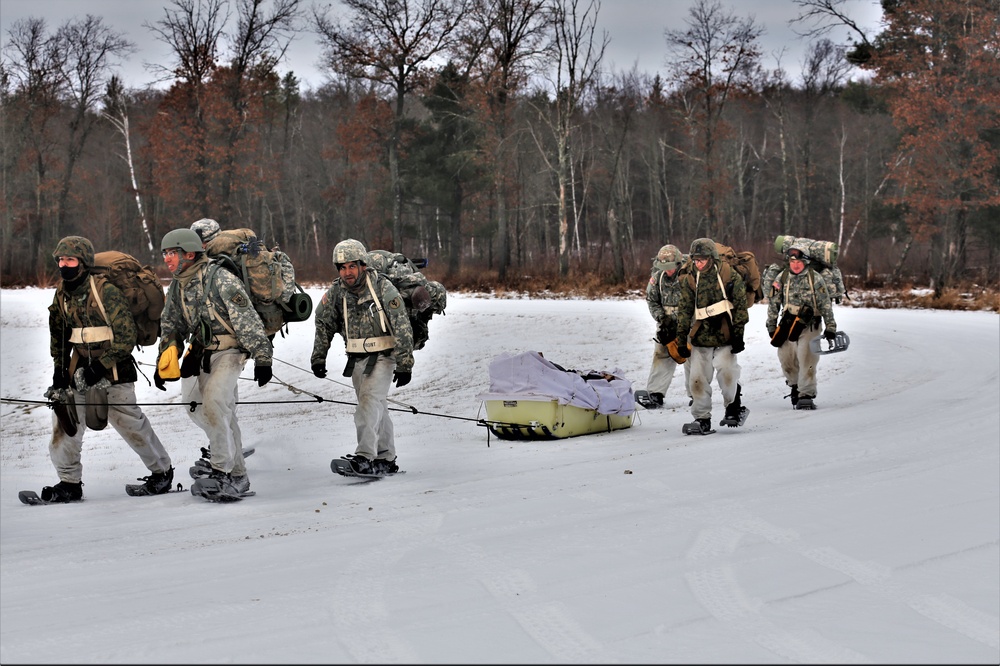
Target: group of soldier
(699, 304)
(209, 330)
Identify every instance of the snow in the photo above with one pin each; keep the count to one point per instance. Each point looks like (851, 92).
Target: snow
(867, 531)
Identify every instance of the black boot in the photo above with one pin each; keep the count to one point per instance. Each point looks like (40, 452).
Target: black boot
(63, 492)
(794, 395)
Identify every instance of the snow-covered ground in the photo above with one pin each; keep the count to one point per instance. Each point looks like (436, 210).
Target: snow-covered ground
(867, 531)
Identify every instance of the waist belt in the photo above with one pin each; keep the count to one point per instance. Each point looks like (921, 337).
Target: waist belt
(223, 342)
(90, 334)
(369, 345)
(714, 309)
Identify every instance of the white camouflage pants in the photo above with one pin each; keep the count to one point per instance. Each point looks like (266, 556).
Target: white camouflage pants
(128, 421)
(661, 371)
(376, 438)
(798, 362)
(705, 362)
(218, 392)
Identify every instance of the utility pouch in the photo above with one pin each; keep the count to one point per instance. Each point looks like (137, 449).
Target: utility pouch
(65, 409)
(97, 408)
(801, 322)
(781, 332)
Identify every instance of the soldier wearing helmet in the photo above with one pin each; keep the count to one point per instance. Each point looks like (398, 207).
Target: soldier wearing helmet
(91, 338)
(364, 307)
(209, 309)
(662, 294)
(800, 303)
(711, 318)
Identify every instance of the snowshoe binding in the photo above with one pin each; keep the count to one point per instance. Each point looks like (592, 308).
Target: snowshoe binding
(649, 400)
(698, 427)
(736, 413)
(156, 483)
(806, 402)
(221, 487)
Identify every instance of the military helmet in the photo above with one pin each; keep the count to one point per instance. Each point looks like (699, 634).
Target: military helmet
(668, 258)
(76, 246)
(350, 250)
(185, 239)
(206, 228)
(704, 247)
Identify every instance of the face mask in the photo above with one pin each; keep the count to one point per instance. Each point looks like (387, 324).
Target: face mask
(70, 272)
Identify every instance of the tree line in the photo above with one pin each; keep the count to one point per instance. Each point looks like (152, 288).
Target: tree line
(490, 137)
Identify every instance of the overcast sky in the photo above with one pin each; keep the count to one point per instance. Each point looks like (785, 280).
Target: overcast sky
(635, 28)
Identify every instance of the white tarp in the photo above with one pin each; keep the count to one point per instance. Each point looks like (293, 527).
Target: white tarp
(530, 376)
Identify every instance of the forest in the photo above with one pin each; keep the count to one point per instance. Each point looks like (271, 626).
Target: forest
(490, 137)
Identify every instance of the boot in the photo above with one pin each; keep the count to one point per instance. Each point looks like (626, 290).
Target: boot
(63, 491)
(156, 483)
(794, 395)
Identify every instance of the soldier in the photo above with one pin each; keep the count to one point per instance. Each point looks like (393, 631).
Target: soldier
(367, 310)
(662, 295)
(91, 337)
(209, 307)
(802, 298)
(712, 315)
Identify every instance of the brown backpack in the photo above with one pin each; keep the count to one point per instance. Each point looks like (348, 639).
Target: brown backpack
(745, 264)
(141, 287)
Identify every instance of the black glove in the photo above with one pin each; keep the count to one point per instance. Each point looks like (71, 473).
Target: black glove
(666, 331)
(262, 373)
(60, 379)
(401, 378)
(160, 382)
(191, 365)
(319, 369)
(682, 348)
(830, 335)
(93, 374)
(770, 332)
(737, 344)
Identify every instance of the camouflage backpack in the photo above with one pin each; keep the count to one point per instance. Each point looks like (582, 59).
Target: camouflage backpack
(267, 275)
(423, 298)
(141, 287)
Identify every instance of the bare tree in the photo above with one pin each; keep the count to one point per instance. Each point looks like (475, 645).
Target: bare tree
(576, 55)
(510, 36)
(393, 44)
(715, 59)
(91, 50)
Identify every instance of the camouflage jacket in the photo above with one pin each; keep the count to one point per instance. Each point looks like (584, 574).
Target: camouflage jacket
(793, 291)
(78, 309)
(702, 291)
(362, 318)
(188, 312)
(663, 294)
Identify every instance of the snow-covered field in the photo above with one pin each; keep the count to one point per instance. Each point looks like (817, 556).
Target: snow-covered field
(867, 531)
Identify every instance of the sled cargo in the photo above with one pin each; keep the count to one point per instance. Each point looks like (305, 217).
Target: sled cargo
(533, 398)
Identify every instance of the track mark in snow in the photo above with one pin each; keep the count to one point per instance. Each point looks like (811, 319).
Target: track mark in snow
(718, 591)
(943, 609)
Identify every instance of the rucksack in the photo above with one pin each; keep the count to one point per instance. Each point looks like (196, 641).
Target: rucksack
(141, 287)
(267, 274)
(423, 298)
(823, 253)
(745, 264)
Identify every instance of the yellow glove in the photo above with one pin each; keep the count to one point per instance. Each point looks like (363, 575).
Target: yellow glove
(168, 365)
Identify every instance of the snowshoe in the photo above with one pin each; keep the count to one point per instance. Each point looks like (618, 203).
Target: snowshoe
(805, 402)
(219, 487)
(735, 420)
(649, 400)
(841, 341)
(698, 427)
(156, 483)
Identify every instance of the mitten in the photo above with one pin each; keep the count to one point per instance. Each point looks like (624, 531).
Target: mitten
(666, 332)
(262, 373)
(159, 381)
(401, 378)
(191, 365)
(830, 335)
(93, 374)
(319, 369)
(737, 344)
(168, 364)
(683, 350)
(60, 379)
